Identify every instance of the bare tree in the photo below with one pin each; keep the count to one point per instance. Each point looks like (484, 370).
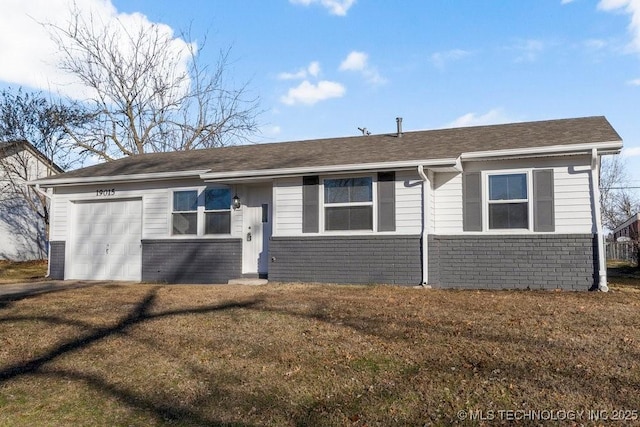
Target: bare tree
(148, 92)
(618, 201)
(33, 142)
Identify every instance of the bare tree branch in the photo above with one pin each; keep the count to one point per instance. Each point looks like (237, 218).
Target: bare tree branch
(148, 91)
(617, 201)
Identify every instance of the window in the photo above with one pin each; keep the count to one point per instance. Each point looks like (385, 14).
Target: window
(185, 212)
(348, 204)
(217, 211)
(508, 201)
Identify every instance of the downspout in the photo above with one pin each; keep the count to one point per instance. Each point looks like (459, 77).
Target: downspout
(595, 184)
(426, 205)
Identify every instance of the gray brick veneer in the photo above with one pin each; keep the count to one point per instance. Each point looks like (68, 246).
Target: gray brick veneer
(538, 261)
(191, 260)
(346, 259)
(56, 260)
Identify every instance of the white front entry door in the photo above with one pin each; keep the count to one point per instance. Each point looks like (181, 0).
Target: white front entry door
(256, 223)
(106, 241)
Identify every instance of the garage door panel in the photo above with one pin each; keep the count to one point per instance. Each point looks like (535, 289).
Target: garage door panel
(106, 241)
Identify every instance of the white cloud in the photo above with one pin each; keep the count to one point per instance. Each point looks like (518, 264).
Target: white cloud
(355, 61)
(630, 7)
(313, 69)
(439, 59)
(596, 44)
(308, 93)
(631, 152)
(359, 62)
(34, 56)
(335, 7)
(492, 117)
(634, 82)
(566, 1)
(528, 50)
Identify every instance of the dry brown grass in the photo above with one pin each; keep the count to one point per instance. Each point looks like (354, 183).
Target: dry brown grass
(13, 272)
(312, 355)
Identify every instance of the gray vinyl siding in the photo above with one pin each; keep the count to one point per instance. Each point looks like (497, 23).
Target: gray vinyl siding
(191, 260)
(537, 261)
(56, 260)
(346, 259)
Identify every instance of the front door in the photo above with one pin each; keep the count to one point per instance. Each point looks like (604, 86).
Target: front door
(256, 221)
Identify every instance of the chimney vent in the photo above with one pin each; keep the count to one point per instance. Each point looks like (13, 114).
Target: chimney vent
(399, 122)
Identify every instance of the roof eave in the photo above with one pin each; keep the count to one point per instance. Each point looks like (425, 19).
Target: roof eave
(156, 176)
(328, 169)
(608, 147)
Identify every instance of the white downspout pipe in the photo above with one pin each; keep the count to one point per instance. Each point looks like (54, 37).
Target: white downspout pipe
(595, 184)
(426, 206)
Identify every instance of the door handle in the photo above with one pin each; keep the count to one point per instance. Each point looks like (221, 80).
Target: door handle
(248, 236)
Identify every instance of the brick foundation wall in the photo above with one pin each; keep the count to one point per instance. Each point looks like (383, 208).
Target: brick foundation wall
(539, 261)
(56, 260)
(346, 259)
(191, 261)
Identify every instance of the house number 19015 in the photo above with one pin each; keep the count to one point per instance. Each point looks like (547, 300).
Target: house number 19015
(106, 192)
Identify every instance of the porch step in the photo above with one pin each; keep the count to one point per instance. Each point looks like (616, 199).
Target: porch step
(251, 281)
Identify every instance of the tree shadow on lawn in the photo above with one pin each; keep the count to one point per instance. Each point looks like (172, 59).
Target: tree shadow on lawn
(139, 314)
(483, 372)
(546, 368)
(31, 290)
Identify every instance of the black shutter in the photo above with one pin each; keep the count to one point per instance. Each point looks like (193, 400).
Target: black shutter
(310, 209)
(543, 207)
(386, 201)
(472, 202)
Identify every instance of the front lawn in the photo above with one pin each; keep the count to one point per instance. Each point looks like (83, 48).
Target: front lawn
(314, 355)
(26, 271)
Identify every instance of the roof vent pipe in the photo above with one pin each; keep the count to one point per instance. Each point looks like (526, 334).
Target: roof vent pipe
(399, 122)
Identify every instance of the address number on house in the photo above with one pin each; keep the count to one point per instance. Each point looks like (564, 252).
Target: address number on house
(105, 192)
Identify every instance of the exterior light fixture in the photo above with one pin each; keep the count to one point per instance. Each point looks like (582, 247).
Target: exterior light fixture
(236, 202)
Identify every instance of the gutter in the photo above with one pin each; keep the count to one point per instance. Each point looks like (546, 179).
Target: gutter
(156, 176)
(284, 172)
(595, 185)
(426, 206)
(603, 147)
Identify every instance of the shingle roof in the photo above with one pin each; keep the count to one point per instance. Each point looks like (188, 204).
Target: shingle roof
(9, 148)
(418, 145)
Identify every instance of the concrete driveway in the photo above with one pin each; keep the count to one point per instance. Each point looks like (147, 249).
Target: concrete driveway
(18, 290)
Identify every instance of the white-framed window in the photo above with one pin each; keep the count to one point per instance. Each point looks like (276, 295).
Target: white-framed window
(201, 211)
(184, 216)
(348, 204)
(217, 211)
(508, 201)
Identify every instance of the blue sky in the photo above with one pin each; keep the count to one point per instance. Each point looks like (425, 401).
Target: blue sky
(323, 68)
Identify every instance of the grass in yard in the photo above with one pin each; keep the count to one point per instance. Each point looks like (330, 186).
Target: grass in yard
(14, 272)
(312, 355)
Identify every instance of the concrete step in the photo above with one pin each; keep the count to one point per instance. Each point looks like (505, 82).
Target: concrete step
(248, 281)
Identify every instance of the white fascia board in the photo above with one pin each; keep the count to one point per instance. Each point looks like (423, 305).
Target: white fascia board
(610, 147)
(285, 172)
(118, 178)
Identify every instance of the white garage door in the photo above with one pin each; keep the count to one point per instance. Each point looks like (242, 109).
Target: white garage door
(106, 241)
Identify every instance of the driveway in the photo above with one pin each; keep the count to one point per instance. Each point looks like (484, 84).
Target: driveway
(19, 290)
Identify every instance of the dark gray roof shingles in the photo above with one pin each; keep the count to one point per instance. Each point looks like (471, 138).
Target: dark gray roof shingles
(418, 145)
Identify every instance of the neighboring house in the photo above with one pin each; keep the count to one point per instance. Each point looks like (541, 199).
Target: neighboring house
(628, 230)
(22, 230)
(503, 206)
